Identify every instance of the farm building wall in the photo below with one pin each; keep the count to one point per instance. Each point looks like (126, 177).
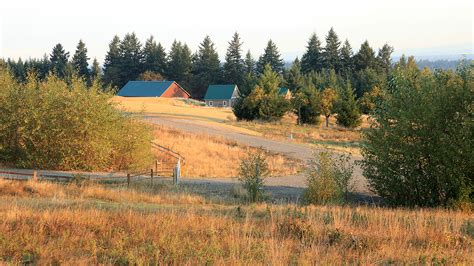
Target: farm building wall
(220, 103)
(175, 91)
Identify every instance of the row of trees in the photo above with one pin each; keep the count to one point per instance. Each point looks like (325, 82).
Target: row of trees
(127, 59)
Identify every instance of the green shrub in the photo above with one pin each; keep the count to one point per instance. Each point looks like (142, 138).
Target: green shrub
(328, 179)
(55, 125)
(348, 114)
(252, 171)
(419, 149)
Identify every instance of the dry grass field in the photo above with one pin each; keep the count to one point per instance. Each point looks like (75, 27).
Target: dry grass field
(208, 156)
(44, 223)
(333, 137)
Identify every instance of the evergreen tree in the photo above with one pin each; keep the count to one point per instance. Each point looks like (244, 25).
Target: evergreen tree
(347, 61)
(294, 80)
(154, 57)
(112, 63)
(348, 114)
(249, 64)
(312, 60)
(365, 57)
(271, 56)
(96, 73)
(131, 59)
(79, 61)
(331, 51)
(234, 65)
(59, 61)
(306, 104)
(179, 64)
(384, 59)
(206, 68)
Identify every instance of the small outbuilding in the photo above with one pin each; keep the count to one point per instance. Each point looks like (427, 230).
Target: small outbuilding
(285, 93)
(166, 89)
(221, 95)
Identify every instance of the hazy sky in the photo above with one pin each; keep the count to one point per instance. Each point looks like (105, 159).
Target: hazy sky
(420, 27)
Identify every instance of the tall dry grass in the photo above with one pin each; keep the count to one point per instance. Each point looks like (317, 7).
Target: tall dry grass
(208, 156)
(75, 232)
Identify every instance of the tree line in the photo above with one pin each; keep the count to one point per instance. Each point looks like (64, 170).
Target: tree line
(127, 59)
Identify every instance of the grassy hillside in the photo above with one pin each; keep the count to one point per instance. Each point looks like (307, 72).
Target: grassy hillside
(90, 224)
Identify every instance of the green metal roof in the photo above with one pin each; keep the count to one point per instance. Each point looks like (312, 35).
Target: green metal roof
(283, 91)
(144, 88)
(219, 92)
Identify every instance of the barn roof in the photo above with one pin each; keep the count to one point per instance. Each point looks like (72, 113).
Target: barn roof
(144, 88)
(220, 92)
(282, 91)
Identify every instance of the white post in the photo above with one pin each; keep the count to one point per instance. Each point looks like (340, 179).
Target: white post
(177, 172)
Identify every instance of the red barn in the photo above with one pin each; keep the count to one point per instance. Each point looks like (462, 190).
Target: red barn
(167, 89)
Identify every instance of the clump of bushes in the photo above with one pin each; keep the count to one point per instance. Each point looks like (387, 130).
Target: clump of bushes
(419, 149)
(328, 179)
(67, 126)
(252, 171)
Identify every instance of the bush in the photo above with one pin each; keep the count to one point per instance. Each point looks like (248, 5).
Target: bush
(252, 171)
(419, 149)
(55, 125)
(328, 179)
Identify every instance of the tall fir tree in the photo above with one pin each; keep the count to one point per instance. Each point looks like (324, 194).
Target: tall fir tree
(332, 52)
(96, 73)
(179, 64)
(59, 61)
(154, 57)
(249, 63)
(131, 59)
(272, 57)
(312, 59)
(79, 61)
(112, 63)
(348, 114)
(294, 80)
(206, 68)
(347, 60)
(384, 59)
(234, 64)
(365, 57)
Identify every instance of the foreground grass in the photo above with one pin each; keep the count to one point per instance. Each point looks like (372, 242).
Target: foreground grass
(208, 156)
(50, 223)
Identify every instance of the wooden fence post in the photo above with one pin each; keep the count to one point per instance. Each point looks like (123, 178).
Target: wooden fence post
(151, 175)
(35, 176)
(128, 180)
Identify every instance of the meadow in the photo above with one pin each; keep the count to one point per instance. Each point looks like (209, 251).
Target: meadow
(86, 223)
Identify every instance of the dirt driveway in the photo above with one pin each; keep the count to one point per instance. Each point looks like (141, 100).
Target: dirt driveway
(294, 150)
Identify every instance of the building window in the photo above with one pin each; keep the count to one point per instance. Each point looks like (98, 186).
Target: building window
(225, 103)
(210, 103)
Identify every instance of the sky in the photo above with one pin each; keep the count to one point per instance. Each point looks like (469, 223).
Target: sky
(412, 27)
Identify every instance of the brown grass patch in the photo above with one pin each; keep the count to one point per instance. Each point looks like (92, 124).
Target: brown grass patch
(208, 156)
(78, 233)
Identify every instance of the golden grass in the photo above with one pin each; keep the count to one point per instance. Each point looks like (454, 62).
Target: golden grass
(208, 156)
(173, 107)
(87, 230)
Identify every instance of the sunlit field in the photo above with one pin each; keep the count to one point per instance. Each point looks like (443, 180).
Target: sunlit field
(48, 223)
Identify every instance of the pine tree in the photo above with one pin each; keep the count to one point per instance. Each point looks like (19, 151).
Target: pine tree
(59, 61)
(154, 57)
(347, 60)
(384, 60)
(234, 65)
(206, 68)
(312, 60)
(294, 79)
(112, 63)
(96, 73)
(331, 51)
(365, 57)
(272, 57)
(179, 64)
(79, 61)
(131, 59)
(249, 64)
(348, 114)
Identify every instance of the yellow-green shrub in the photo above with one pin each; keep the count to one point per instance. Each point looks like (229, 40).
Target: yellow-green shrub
(56, 125)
